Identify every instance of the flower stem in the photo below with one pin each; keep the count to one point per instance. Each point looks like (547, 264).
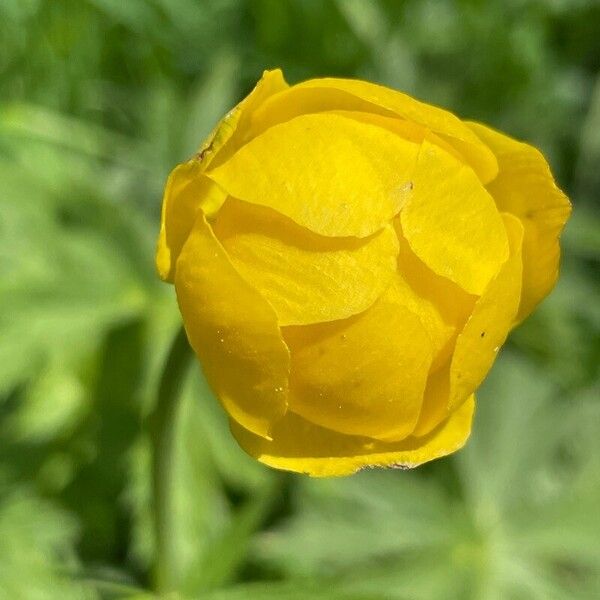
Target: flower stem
(162, 431)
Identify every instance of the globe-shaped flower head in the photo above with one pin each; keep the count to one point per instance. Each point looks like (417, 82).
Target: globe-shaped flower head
(348, 261)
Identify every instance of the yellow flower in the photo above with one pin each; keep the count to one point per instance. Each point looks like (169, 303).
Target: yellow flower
(347, 261)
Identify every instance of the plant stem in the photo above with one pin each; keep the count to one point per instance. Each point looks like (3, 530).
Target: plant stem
(162, 430)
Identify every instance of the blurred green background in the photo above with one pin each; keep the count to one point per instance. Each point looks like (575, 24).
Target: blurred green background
(99, 99)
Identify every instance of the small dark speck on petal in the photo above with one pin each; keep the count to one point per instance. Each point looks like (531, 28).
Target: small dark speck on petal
(483, 334)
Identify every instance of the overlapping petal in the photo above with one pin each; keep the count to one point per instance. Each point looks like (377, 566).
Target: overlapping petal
(478, 343)
(317, 95)
(300, 446)
(305, 277)
(232, 131)
(451, 221)
(364, 375)
(234, 332)
(442, 306)
(405, 129)
(525, 188)
(488, 327)
(434, 408)
(333, 175)
(188, 190)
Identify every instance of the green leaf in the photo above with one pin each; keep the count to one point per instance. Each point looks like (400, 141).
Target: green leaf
(38, 542)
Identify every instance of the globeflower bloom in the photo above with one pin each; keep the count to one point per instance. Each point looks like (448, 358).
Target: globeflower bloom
(348, 261)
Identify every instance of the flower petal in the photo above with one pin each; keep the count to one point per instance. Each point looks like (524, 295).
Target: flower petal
(302, 447)
(407, 130)
(230, 133)
(364, 375)
(477, 344)
(330, 174)
(492, 319)
(234, 332)
(435, 400)
(271, 113)
(188, 189)
(305, 277)
(442, 306)
(525, 188)
(452, 223)
(317, 95)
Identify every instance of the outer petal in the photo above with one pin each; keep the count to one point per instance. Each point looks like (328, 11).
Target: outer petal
(452, 223)
(438, 331)
(317, 95)
(488, 327)
(525, 187)
(364, 375)
(478, 343)
(232, 130)
(442, 306)
(305, 277)
(270, 113)
(234, 332)
(330, 174)
(435, 400)
(405, 129)
(188, 189)
(300, 446)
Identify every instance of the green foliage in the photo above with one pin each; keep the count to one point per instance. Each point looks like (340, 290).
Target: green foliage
(508, 517)
(99, 99)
